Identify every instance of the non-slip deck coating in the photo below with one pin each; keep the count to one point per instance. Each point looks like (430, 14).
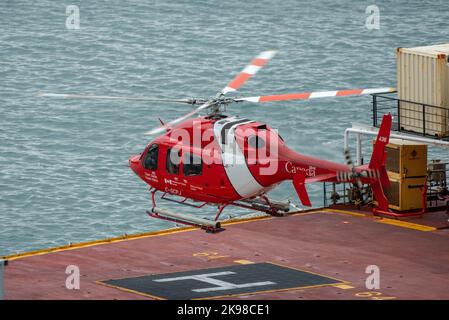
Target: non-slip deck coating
(413, 261)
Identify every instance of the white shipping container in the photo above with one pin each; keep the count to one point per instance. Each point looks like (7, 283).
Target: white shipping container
(423, 77)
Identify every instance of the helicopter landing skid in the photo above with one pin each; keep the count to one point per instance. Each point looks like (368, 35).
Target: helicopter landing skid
(264, 204)
(261, 203)
(205, 224)
(210, 226)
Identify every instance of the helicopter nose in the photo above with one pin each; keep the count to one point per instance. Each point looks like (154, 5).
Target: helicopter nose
(134, 162)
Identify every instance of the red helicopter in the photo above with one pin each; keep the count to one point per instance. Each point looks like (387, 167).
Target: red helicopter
(225, 160)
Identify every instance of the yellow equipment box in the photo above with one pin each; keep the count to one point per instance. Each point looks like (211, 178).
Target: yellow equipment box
(406, 165)
(406, 159)
(405, 194)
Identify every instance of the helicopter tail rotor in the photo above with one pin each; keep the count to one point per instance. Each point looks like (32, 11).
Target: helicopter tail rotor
(354, 174)
(375, 173)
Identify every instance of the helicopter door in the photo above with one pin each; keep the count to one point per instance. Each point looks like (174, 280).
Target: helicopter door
(173, 184)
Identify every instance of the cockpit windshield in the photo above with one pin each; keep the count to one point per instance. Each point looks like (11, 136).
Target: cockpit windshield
(150, 161)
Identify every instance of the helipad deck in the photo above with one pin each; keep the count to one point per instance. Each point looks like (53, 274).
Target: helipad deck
(320, 254)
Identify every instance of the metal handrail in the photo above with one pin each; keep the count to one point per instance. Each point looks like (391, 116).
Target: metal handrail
(382, 103)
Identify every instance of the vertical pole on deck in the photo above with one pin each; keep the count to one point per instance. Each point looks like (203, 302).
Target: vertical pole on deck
(324, 195)
(359, 149)
(374, 110)
(424, 120)
(2, 266)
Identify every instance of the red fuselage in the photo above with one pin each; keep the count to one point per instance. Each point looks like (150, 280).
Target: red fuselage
(235, 159)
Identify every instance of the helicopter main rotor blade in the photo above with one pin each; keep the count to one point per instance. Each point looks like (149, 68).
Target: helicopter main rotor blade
(83, 96)
(314, 95)
(256, 64)
(184, 117)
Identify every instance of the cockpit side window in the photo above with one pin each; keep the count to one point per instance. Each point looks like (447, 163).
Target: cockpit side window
(192, 164)
(150, 161)
(173, 160)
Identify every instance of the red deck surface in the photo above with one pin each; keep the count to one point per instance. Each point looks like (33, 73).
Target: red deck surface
(414, 264)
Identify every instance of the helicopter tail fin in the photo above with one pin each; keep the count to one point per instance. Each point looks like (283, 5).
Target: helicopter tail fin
(377, 163)
(299, 182)
(383, 136)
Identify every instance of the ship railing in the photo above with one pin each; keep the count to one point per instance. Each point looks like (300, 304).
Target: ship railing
(410, 116)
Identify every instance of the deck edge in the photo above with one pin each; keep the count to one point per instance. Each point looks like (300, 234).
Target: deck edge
(135, 236)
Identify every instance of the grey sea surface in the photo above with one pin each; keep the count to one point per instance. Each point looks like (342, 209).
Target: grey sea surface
(63, 163)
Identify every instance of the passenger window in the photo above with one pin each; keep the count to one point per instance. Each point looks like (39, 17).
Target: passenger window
(256, 142)
(150, 161)
(173, 160)
(192, 164)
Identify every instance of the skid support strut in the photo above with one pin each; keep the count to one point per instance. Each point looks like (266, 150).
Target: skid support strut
(187, 219)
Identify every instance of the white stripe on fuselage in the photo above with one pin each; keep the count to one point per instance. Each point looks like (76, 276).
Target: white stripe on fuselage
(234, 161)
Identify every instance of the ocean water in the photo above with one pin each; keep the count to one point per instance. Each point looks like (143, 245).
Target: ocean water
(63, 163)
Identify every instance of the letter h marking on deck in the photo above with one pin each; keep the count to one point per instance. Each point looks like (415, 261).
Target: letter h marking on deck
(218, 284)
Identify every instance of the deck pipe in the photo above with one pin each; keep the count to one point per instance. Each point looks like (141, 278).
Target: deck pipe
(360, 132)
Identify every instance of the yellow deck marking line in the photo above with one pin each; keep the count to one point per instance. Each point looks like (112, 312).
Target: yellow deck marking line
(121, 238)
(232, 222)
(243, 261)
(135, 236)
(185, 229)
(210, 255)
(406, 224)
(343, 286)
(356, 214)
(96, 243)
(394, 222)
(305, 213)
